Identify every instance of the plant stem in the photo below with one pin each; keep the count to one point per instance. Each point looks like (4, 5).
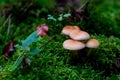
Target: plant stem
(76, 53)
(9, 24)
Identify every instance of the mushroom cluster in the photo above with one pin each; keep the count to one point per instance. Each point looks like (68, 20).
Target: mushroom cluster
(79, 39)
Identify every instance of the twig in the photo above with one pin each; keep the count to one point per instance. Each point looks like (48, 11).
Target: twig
(48, 41)
(9, 23)
(4, 23)
(83, 5)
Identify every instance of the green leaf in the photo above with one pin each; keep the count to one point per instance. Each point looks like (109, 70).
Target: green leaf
(34, 51)
(67, 15)
(16, 64)
(29, 40)
(60, 17)
(50, 17)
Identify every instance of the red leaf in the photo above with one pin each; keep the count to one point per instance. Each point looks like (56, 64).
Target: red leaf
(9, 49)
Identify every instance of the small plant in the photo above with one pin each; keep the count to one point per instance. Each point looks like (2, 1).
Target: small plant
(25, 48)
(60, 18)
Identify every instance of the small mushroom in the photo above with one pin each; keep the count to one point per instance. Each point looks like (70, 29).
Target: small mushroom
(79, 35)
(67, 29)
(92, 43)
(73, 45)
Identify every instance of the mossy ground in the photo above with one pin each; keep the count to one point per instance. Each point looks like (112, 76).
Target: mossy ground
(54, 62)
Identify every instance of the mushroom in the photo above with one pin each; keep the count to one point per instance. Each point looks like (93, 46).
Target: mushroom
(92, 43)
(67, 29)
(76, 27)
(79, 35)
(73, 45)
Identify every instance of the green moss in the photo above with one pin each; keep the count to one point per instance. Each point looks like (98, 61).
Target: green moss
(103, 17)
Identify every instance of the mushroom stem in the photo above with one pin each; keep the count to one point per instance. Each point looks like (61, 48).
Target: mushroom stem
(89, 52)
(77, 53)
(74, 52)
(75, 56)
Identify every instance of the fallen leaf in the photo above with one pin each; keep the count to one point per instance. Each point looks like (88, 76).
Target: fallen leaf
(9, 49)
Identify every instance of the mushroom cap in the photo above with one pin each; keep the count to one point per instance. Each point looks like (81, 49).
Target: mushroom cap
(92, 43)
(79, 35)
(76, 27)
(67, 29)
(73, 44)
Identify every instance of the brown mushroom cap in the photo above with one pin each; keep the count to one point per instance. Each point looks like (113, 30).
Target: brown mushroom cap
(67, 29)
(79, 35)
(92, 43)
(73, 44)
